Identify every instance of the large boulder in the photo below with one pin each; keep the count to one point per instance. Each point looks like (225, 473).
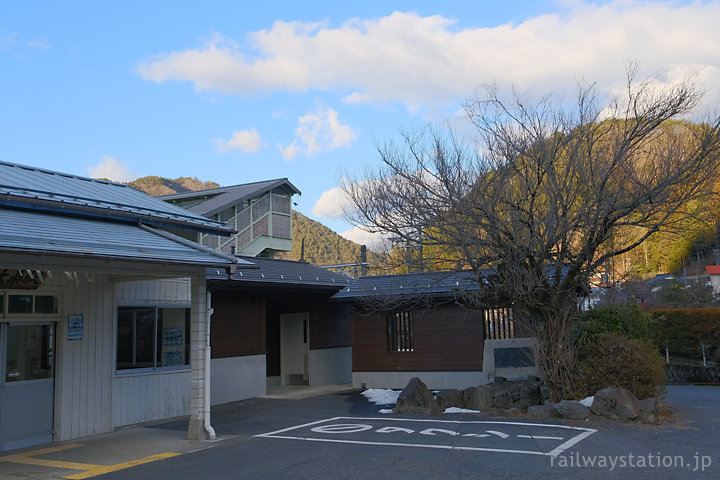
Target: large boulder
(516, 394)
(648, 410)
(416, 399)
(479, 398)
(454, 398)
(616, 403)
(542, 411)
(572, 410)
(473, 398)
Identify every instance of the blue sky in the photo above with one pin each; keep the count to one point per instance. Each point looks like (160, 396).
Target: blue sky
(237, 92)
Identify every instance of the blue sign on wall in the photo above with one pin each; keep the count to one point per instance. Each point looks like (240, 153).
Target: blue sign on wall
(75, 327)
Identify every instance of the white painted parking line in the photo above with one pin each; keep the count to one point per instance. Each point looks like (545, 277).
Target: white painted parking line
(489, 436)
(540, 437)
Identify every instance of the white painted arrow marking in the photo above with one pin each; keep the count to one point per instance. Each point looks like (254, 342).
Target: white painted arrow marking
(429, 431)
(394, 429)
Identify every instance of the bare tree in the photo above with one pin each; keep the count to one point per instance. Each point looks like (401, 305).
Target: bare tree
(544, 196)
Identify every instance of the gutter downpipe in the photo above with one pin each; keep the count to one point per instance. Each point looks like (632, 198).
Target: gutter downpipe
(206, 417)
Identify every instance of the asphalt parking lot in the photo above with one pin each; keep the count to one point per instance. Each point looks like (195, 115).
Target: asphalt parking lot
(342, 435)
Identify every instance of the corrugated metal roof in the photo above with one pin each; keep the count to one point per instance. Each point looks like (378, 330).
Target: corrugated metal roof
(284, 272)
(35, 232)
(218, 199)
(45, 190)
(411, 284)
(426, 284)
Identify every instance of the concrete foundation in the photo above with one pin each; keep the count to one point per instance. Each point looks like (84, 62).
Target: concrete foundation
(237, 378)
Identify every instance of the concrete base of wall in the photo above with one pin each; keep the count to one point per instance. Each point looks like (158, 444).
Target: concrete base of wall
(434, 380)
(237, 378)
(330, 366)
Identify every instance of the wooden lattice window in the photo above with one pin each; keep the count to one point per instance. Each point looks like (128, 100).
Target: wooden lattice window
(499, 323)
(399, 328)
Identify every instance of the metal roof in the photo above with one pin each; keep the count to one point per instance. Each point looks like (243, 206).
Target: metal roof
(35, 232)
(275, 272)
(215, 200)
(427, 284)
(45, 190)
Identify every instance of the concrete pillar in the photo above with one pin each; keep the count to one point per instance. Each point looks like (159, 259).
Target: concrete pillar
(199, 342)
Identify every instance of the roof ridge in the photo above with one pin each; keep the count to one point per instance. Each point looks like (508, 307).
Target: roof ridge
(224, 189)
(63, 174)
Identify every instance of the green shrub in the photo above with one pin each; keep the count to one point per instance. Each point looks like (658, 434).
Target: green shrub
(612, 360)
(683, 330)
(628, 320)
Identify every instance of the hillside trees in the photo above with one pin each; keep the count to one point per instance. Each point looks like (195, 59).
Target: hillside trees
(544, 195)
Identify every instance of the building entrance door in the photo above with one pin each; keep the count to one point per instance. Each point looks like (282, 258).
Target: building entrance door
(294, 343)
(27, 384)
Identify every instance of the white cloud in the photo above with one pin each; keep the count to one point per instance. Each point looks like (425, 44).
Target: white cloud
(331, 203)
(247, 141)
(113, 170)
(317, 132)
(417, 61)
(10, 40)
(374, 241)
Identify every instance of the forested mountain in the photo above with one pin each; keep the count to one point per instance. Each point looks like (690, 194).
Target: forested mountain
(691, 244)
(157, 186)
(322, 245)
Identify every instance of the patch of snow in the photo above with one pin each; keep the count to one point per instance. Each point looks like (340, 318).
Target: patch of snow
(381, 396)
(385, 410)
(587, 401)
(460, 410)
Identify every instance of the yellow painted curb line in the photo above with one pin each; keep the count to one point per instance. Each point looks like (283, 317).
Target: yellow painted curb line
(90, 469)
(101, 469)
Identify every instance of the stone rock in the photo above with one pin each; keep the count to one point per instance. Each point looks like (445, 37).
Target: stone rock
(572, 410)
(616, 403)
(416, 399)
(455, 398)
(515, 394)
(648, 410)
(473, 398)
(479, 398)
(542, 411)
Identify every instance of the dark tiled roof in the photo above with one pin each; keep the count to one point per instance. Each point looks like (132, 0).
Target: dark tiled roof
(215, 200)
(43, 233)
(428, 284)
(270, 271)
(45, 190)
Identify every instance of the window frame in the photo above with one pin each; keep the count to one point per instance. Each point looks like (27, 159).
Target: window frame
(33, 315)
(400, 332)
(157, 361)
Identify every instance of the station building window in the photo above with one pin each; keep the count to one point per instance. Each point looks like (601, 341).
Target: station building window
(152, 338)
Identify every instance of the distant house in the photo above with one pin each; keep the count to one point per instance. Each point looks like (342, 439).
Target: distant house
(414, 325)
(101, 310)
(259, 212)
(713, 271)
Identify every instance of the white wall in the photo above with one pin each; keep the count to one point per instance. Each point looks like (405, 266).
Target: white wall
(147, 396)
(330, 366)
(84, 368)
(237, 378)
(143, 397)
